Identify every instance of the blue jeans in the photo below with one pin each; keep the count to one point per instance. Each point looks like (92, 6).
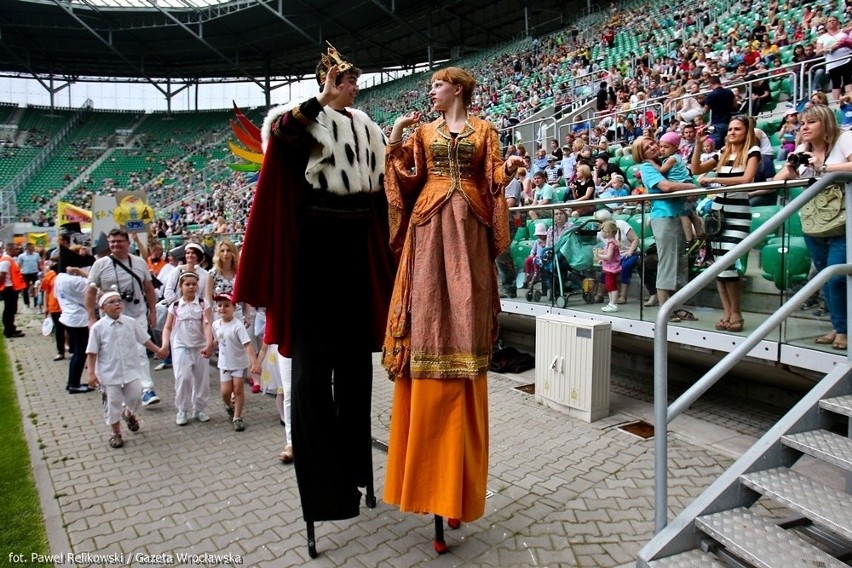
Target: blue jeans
(828, 251)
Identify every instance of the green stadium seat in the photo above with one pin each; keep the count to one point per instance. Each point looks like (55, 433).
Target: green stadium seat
(760, 215)
(520, 251)
(785, 262)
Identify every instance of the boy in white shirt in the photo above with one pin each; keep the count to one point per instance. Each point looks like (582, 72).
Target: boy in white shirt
(110, 340)
(236, 356)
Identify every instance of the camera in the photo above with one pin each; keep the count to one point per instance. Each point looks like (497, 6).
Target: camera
(798, 159)
(128, 297)
(710, 129)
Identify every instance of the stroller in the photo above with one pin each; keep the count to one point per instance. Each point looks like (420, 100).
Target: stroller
(568, 266)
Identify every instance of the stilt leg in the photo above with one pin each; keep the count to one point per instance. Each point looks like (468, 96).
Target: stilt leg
(312, 541)
(438, 543)
(370, 498)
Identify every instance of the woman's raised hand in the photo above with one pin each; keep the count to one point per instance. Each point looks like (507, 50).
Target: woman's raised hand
(407, 120)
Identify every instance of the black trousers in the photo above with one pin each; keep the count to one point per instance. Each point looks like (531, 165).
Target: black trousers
(10, 309)
(58, 332)
(78, 337)
(332, 370)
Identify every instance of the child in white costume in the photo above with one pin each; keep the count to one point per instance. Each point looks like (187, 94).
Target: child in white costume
(236, 355)
(277, 374)
(190, 335)
(119, 378)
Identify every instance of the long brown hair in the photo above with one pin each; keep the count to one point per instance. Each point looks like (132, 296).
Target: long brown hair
(742, 155)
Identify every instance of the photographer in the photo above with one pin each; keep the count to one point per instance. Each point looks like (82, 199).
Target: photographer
(128, 275)
(824, 148)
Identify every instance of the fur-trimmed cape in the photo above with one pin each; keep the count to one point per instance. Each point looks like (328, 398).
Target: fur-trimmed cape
(347, 156)
(277, 222)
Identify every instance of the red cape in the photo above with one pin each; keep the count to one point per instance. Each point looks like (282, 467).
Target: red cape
(272, 240)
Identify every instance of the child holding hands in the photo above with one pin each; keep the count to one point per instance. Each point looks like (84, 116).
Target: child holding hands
(236, 356)
(110, 340)
(188, 330)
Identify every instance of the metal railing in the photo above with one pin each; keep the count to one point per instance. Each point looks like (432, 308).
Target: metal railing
(665, 413)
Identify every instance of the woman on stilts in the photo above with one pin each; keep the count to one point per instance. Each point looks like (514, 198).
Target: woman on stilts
(449, 221)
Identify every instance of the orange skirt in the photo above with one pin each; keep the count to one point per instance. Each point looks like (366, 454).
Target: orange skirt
(438, 448)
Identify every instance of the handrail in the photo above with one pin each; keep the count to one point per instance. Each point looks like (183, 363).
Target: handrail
(665, 413)
(698, 192)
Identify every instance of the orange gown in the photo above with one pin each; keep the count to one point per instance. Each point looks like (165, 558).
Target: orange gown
(449, 222)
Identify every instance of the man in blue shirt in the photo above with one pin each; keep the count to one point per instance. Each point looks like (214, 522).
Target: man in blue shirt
(720, 103)
(31, 264)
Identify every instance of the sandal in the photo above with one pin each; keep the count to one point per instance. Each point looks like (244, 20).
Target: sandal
(674, 318)
(132, 423)
(115, 441)
(840, 343)
(736, 326)
(722, 325)
(827, 339)
(621, 300)
(287, 455)
(685, 315)
(652, 301)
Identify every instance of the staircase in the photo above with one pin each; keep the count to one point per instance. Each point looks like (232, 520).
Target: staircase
(720, 529)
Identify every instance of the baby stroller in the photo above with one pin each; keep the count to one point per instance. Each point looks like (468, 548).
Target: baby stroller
(569, 266)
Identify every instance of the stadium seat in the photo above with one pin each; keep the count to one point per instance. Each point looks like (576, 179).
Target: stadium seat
(785, 263)
(520, 251)
(760, 215)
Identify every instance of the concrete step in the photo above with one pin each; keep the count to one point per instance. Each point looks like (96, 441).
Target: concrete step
(760, 542)
(822, 505)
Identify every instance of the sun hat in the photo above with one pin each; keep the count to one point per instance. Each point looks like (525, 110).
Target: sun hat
(672, 138)
(540, 230)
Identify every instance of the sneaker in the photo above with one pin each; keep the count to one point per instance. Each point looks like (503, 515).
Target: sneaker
(180, 419)
(149, 397)
(230, 410)
(132, 423)
(201, 417)
(609, 308)
(238, 425)
(162, 366)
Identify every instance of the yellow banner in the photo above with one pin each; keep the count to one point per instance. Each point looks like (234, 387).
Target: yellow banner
(39, 240)
(68, 213)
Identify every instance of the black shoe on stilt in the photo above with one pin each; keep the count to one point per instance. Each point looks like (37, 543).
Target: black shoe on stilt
(312, 541)
(439, 543)
(370, 497)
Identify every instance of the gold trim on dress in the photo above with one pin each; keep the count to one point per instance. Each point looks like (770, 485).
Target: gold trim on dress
(451, 365)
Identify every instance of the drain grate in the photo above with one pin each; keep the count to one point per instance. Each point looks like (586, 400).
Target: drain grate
(529, 389)
(640, 428)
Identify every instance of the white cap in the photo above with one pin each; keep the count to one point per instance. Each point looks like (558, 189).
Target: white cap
(106, 296)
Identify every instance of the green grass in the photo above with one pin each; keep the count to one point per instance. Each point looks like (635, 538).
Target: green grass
(20, 516)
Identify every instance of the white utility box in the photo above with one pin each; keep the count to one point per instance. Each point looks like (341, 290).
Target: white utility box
(572, 365)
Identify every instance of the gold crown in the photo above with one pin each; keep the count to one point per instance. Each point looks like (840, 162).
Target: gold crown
(327, 61)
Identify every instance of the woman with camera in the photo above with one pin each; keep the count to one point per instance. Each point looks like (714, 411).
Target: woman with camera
(824, 148)
(737, 163)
